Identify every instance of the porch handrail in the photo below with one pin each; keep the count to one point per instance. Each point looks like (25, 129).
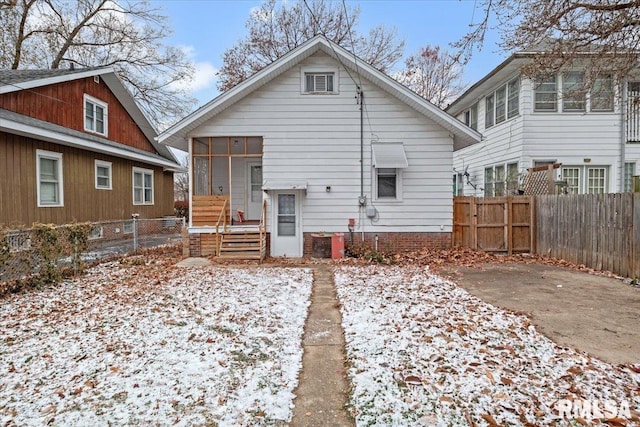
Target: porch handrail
(262, 227)
(222, 217)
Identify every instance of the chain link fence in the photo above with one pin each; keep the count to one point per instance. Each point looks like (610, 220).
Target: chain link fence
(28, 252)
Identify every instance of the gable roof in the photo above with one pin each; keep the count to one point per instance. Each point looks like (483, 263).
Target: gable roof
(176, 135)
(17, 80)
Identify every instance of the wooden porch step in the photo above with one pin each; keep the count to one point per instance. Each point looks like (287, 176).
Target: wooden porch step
(242, 244)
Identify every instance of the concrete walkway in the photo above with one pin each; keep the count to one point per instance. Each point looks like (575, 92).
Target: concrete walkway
(323, 388)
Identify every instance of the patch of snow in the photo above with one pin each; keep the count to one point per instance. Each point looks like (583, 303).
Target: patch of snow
(151, 345)
(422, 351)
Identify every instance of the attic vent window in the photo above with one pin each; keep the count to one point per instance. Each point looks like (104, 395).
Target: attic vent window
(96, 79)
(318, 82)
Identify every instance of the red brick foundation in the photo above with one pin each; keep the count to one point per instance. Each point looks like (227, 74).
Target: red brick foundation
(391, 242)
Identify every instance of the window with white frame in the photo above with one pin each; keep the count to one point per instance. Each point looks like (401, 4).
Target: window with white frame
(513, 100)
(546, 94)
(596, 180)
(571, 176)
(103, 175)
(318, 82)
(499, 181)
(142, 186)
(586, 179)
(471, 117)
(49, 179)
(488, 182)
(629, 173)
(458, 184)
(601, 95)
(574, 97)
(512, 178)
(95, 115)
(387, 182)
(503, 103)
(489, 106)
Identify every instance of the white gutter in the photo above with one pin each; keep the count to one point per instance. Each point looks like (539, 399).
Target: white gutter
(623, 131)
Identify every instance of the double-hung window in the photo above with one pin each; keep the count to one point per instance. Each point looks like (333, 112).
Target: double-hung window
(488, 182)
(629, 172)
(387, 183)
(103, 175)
(95, 115)
(471, 117)
(142, 186)
(546, 94)
(574, 97)
(49, 179)
(602, 93)
(503, 103)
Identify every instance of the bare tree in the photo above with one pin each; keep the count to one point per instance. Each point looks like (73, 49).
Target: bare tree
(434, 74)
(278, 27)
(562, 33)
(126, 35)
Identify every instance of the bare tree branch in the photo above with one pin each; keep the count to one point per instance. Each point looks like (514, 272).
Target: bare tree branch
(277, 27)
(127, 35)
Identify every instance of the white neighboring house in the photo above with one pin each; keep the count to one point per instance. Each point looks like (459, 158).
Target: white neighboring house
(294, 135)
(595, 136)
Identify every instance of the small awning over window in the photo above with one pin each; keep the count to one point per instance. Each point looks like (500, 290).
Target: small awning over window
(284, 185)
(389, 155)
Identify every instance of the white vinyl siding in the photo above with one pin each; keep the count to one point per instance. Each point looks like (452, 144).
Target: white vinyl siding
(142, 186)
(103, 173)
(95, 115)
(49, 179)
(316, 139)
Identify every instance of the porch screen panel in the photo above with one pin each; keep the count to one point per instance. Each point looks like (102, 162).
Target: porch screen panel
(220, 183)
(256, 183)
(201, 176)
(286, 215)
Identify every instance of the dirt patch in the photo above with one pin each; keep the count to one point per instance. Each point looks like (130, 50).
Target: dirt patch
(598, 315)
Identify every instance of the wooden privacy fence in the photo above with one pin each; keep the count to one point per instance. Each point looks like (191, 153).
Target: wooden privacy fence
(601, 231)
(495, 224)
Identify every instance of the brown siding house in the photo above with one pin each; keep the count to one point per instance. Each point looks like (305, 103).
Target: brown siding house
(74, 146)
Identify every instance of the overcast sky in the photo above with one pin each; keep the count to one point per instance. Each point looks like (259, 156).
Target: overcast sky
(206, 28)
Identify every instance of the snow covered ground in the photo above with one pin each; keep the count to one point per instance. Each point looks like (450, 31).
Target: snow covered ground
(422, 351)
(154, 345)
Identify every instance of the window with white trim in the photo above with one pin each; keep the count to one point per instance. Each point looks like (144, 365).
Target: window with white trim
(629, 173)
(318, 82)
(142, 186)
(387, 183)
(503, 103)
(601, 96)
(488, 182)
(572, 177)
(512, 178)
(546, 94)
(49, 179)
(574, 97)
(95, 115)
(103, 175)
(585, 179)
(499, 183)
(596, 180)
(471, 117)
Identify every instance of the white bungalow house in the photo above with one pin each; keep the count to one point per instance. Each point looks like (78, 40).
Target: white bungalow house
(595, 136)
(318, 142)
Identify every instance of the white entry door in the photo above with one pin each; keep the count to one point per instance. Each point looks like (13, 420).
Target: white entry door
(286, 233)
(254, 190)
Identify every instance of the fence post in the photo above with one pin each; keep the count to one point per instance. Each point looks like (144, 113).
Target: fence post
(135, 232)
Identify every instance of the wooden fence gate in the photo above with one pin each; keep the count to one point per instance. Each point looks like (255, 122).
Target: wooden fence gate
(495, 224)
